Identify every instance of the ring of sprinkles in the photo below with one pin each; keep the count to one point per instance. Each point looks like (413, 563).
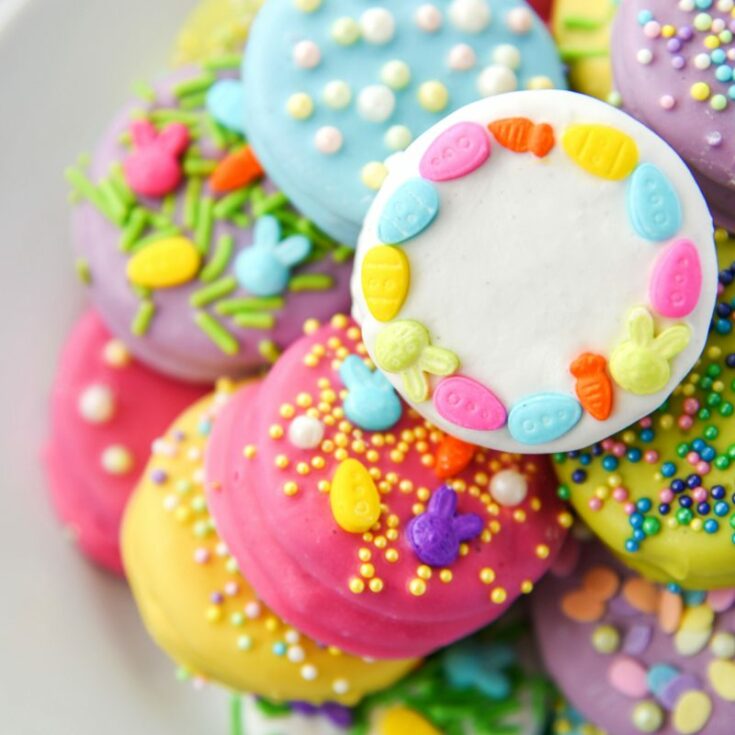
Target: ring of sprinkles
(198, 605)
(352, 83)
(606, 380)
(408, 533)
(206, 245)
(660, 493)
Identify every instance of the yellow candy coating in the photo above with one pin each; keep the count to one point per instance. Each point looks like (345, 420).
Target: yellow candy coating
(174, 562)
(601, 150)
(691, 713)
(722, 678)
(386, 275)
(164, 263)
(354, 498)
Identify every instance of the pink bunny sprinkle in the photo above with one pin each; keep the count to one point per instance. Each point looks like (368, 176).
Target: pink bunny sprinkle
(153, 168)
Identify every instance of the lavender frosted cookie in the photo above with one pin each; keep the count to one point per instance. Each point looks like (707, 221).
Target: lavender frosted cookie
(191, 256)
(635, 657)
(673, 63)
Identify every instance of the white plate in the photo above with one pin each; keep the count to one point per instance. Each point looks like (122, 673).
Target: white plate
(74, 659)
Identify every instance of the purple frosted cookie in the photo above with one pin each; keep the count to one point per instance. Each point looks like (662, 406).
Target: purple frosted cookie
(192, 257)
(632, 656)
(674, 64)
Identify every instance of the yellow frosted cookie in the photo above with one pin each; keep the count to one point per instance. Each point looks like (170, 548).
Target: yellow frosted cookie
(661, 493)
(215, 28)
(582, 31)
(196, 604)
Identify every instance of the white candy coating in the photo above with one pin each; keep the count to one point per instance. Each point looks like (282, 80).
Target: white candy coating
(97, 404)
(506, 54)
(328, 140)
(376, 103)
(306, 54)
(470, 16)
(378, 25)
(509, 487)
(462, 57)
(428, 18)
(306, 432)
(496, 79)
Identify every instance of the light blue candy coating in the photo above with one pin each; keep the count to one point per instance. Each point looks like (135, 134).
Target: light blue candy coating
(409, 211)
(264, 269)
(654, 207)
(328, 188)
(372, 403)
(543, 417)
(659, 675)
(225, 103)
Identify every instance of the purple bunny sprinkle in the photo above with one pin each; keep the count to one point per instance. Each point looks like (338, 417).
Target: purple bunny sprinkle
(435, 535)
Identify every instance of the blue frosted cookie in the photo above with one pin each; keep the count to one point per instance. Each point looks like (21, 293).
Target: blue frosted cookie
(335, 87)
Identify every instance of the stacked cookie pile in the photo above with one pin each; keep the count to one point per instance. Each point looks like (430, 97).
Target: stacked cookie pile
(384, 325)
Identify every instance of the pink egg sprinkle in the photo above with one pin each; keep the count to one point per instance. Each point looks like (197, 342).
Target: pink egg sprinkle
(628, 677)
(646, 422)
(595, 504)
(651, 456)
(619, 450)
(703, 468)
(691, 406)
(667, 102)
(607, 444)
(629, 508)
(692, 458)
(699, 494)
(202, 556)
(652, 29)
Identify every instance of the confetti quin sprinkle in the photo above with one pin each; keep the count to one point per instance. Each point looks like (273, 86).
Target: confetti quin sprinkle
(182, 192)
(365, 483)
(239, 623)
(660, 671)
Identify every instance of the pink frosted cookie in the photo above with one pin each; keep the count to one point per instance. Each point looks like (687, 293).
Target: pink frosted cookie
(106, 409)
(358, 522)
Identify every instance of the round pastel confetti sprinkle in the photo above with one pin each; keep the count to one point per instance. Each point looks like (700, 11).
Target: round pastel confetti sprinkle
(507, 55)
(702, 61)
(519, 20)
(378, 25)
(470, 16)
(398, 137)
(496, 79)
(373, 174)
(428, 18)
(644, 56)
(462, 57)
(306, 55)
(309, 672)
(328, 140)
(117, 460)
(337, 94)
(396, 74)
(647, 716)
(300, 106)
(542, 82)
(306, 432)
(433, 96)
(345, 31)
(116, 354)
(667, 102)
(97, 404)
(722, 645)
(307, 6)
(341, 686)
(509, 487)
(606, 639)
(376, 103)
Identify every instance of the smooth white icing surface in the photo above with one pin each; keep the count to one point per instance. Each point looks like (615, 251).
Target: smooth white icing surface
(533, 261)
